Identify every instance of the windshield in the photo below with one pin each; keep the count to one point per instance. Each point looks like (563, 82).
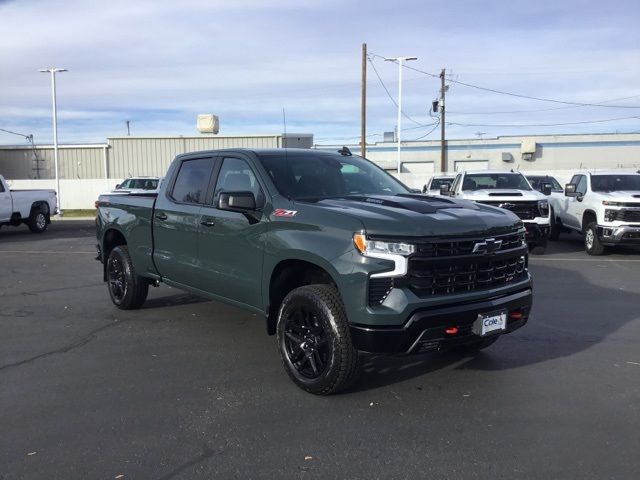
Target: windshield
(316, 176)
(614, 183)
(436, 183)
(493, 181)
(536, 183)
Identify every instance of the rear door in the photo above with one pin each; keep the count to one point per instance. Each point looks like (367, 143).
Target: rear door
(6, 204)
(176, 221)
(231, 244)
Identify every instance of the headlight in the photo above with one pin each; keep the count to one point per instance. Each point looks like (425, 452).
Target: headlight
(394, 251)
(543, 207)
(611, 204)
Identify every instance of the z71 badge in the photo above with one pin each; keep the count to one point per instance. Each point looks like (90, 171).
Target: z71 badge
(281, 212)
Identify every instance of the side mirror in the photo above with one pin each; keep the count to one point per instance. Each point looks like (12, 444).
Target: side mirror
(117, 186)
(237, 201)
(445, 190)
(424, 189)
(579, 197)
(570, 190)
(546, 188)
(415, 190)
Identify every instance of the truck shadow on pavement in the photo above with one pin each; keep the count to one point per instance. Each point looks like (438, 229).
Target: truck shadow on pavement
(570, 315)
(56, 230)
(573, 243)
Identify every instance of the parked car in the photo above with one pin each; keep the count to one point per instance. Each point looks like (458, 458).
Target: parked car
(538, 181)
(512, 191)
(604, 207)
(139, 185)
(333, 252)
(435, 182)
(31, 207)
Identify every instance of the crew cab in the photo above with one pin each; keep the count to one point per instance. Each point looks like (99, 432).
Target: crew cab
(511, 191)
(436, 182)
(31, 207)
(604, 207)
(337, 256)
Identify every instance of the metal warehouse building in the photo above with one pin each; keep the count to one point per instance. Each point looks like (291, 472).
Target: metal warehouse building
(86, 170)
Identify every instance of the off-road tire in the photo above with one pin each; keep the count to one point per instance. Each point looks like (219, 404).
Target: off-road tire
(38, 221)
(326, 310)
(592, 244)
(554, 228)
(127, 289)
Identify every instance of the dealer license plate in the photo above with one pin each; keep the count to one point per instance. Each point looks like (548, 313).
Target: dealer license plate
(490, 322)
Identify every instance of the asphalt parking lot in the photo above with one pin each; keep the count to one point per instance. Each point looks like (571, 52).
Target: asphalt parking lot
(188, 388)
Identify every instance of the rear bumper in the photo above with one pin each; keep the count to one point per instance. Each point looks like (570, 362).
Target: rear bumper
(425, 329)
(621, 235)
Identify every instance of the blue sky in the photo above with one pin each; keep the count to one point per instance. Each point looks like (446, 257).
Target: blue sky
(160, 63)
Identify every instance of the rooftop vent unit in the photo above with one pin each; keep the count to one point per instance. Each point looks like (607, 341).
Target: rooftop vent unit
(208, 123)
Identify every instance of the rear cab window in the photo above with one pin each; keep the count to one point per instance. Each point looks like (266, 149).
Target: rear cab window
(192, 181)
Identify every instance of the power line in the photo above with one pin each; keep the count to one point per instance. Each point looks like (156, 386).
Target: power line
(540, 125)
(518, 95)
(426, 134)
(375, 70)
(28, 137)
(380, 134)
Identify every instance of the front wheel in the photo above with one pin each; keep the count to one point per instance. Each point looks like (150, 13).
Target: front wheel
(315, 341)
(127, 290)
(554, 227)
(592, 243)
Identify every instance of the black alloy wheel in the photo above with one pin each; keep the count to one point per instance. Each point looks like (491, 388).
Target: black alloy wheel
(127, 289)
(314, 340)
(306, 342)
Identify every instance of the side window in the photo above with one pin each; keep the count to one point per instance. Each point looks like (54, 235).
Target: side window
(192, 181)
(582, 185)
(125, 184)
(236, 176)
(575, 179)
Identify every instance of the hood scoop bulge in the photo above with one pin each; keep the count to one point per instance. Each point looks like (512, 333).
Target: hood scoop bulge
(414, 203)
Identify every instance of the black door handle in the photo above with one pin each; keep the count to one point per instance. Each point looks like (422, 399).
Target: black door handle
(161, 216)
(208, 223)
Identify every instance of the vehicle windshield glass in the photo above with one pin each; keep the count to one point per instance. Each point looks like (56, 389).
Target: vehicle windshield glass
(614, 183)
(436, 183)
(536, 182)
(321, 175)
(494, 181)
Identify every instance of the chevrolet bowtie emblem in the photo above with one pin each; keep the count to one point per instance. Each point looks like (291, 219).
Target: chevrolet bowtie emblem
(507, 205)
(490, 245)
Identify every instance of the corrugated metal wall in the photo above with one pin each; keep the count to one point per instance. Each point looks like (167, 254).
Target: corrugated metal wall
(75, 162)
(129, 156)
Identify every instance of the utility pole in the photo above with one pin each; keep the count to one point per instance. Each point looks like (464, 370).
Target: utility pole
(363, 103)
(399, 61)
(443, 89)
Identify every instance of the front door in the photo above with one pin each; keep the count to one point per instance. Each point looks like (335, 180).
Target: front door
(176, 222)
(231, 244)
(575, 208)
(6, 206)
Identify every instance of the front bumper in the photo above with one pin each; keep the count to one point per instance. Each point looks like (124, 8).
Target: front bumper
(536, 232)
(424, 331)
(620, 235)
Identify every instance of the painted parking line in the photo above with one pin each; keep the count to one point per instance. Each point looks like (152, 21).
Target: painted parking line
(48, 252)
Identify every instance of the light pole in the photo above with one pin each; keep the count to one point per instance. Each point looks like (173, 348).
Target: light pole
(53, 71)
(399, 60)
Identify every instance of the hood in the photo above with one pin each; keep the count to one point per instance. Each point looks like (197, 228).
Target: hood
(421, 215)
(627, 195)
(497, 195)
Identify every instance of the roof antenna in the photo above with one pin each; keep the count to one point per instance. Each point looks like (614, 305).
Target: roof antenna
(345, 152)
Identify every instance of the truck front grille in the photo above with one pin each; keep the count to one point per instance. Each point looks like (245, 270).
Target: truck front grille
(445, 248)
(426, 278)
(628, 215)
(524, 210)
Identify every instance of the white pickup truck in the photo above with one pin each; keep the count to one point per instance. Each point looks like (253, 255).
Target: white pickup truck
(31, 207)
(511, 191)
(604, 207)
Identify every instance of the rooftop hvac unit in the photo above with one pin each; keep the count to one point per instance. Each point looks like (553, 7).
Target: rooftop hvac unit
(208, 123)
(389, 137)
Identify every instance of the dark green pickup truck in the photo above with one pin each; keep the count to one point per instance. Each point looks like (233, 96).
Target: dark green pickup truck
(337, 256)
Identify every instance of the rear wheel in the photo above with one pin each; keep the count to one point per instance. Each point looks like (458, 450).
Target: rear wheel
(127, 290)
(592, 243)
(315, 341)
(39, 219)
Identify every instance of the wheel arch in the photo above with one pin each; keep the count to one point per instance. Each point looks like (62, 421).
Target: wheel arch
(287, 275)
(111, 238)
(587, 217)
